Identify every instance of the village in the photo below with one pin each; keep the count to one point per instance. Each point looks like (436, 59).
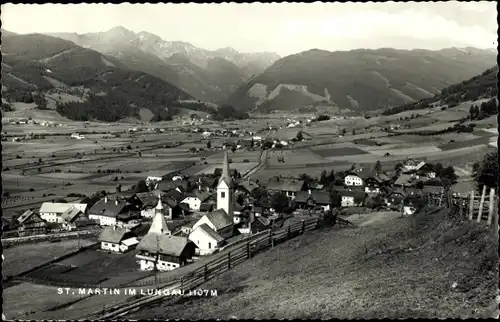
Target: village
(174, 220)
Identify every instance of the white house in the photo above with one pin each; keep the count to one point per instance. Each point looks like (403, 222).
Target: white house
(351, 198)
(206, 239)
(52, 211)
(164, 252)
(117, 239)
(71, 217)
(152, 179)
(352, 179)
(409, 210)
(195, 199)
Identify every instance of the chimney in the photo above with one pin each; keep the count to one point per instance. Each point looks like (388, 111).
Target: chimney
(105, 199)
(116, 202)
(199, 187)
(208, 189)
(309, 191)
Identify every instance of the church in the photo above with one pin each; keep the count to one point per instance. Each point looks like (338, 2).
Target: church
(213, 228)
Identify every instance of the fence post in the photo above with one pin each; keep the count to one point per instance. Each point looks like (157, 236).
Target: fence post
(205, 273)
(288, 232)
(229, 260)
(303, 226)
(481, 205)
(249, 253)
(471, 205)
(461, 207)
(272, 238)
(491, 207)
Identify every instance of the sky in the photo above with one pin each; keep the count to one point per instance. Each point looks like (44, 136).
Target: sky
(283, 28)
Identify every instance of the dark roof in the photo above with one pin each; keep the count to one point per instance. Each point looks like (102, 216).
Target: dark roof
(205, 207)
(71, 214)
(358, 195)
(316, 186)
(168, 185)
(404, 180)
(121, 195)
(209, 231)
(432, 189)
(202, 195)
(383, 177)
(163, 244)
(149, 199)
(175, 195)
(109, 208)
(285, 185)
(219, 218)
(263, 220)
(319, 197)
(113, 234)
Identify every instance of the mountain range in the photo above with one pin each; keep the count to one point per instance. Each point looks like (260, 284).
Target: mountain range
(205, 74)
(359, 79)
(124, 72)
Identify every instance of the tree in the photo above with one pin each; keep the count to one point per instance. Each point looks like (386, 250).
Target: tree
(141, 186)
(344, 131)
(353, 131)
(252, 143)
(485, 172)
(300, 136)
(378, 167)
(259, 196)
(449, 174)
(279, 201)
(323, 178)
(209, 144)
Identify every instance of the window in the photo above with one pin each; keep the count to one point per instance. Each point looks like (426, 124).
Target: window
(209, 245)
(223, 194)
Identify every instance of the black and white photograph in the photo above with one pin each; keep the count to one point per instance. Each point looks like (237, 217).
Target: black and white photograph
(236, 161)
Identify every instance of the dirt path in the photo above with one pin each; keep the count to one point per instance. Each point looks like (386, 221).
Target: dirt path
(380, 217)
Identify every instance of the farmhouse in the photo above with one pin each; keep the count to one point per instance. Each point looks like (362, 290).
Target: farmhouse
(353, 178)
(411, 204)
(422, 170)
(31, 224)
(247, 186)
(411, 164)
(206, 239)
(164, 252)
(117, 239)
(196, 198)
(153, 180)
(73, 218)
(288, 186)
(405, 180)
(168, 185)
(106, 212)
(313, 199)
(219, 221)
(397, 197)
(52, 211)
(350, 198)
(373, 184)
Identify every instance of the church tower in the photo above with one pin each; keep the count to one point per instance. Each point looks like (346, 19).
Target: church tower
(159, 225)
(225, 192)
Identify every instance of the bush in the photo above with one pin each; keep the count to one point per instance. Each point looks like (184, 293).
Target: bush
(31, 189)
(246, 160)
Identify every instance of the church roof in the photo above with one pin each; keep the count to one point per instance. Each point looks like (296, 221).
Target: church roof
(159, 225)
(226, 175)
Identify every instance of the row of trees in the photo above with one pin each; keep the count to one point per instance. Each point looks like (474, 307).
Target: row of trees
(487, 108)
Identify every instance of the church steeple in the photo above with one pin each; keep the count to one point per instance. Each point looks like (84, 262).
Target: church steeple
(159, 225)
(226, 174)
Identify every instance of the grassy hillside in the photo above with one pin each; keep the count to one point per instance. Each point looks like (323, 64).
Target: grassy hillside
(37, 63)
(364, 79)
(387, 267)
(472, 89)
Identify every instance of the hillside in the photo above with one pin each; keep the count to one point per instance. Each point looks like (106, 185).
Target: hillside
(360, 79)
(386, 267)
(206, 75)
(472, 89)
(45, 64)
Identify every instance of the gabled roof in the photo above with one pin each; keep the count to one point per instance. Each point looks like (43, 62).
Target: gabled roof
(163, 244)
(210, 232)
(109, 208)
(121, 195)
(25, 216)
(404, 180)
(175, 195)
(70, 214)
(219, 218)
(383, 177)
(263, 220)
(319, 197)
(207, 207)
(54, 207)
(159, 225)
(168, 185)
(285, 185)
(113, 234)
(149, 199)
(411, 162)
(432, 189)
(356, 194)
(202, 195)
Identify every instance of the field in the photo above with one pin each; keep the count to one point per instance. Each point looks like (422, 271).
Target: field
(20, 258)
(362, 272)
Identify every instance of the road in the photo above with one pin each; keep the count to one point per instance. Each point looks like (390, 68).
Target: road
(262, 163)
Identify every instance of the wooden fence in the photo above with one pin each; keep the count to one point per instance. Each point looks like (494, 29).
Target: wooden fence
(479, 207)
(244, 252)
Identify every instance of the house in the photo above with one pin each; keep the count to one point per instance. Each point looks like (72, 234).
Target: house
(219, 221)
(412, 204)
(349, 198)
(128, 219)
(168, 185)
(52, 211)
(396, 198)
(207, 207)
(246, 186)
(153, 180)
(312, 199)
(425, 170)
(73, 218)
(206, 239)
(117, 239)
(288, 186)
(353, 178)
(411, 164)
(196, 198)
(106, 211)
(405, 180)
(30, 223)
(259, 224)
(260, 211)
(164, 252)
(316, 186)
(150, 203)
(373, 184)
(186, 229)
